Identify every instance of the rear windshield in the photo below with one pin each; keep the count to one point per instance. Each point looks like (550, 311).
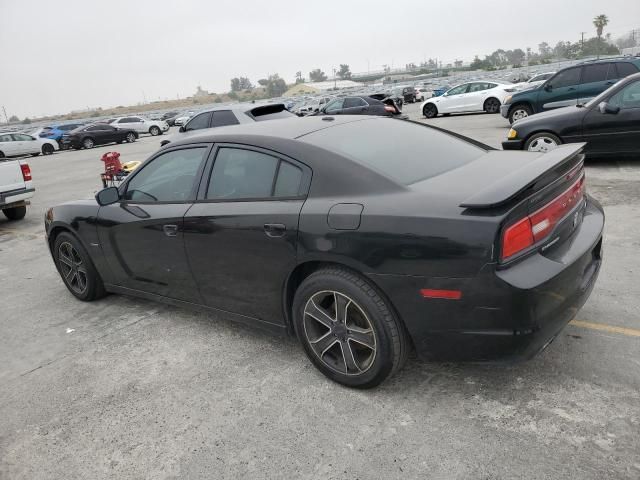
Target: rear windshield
(404, 151)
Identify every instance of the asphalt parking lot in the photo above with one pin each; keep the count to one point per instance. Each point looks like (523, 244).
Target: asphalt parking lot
(125, 388)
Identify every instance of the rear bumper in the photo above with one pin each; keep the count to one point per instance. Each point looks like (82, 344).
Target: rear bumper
(516, 144)
(503, 315)
(15, 197)
(504, 110)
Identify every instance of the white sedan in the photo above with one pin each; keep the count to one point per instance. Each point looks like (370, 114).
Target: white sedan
(182, 119)
(477, 96)
(141, 125)
(534, 81)
(18, 144)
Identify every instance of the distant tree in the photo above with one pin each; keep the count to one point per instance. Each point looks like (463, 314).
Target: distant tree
(13, 119)
(544, 50)
(317, 75)
(26, 121)
(245, 83)
(263, 82)
(600, 22)
(626, 42)
(233, 95)
(276, 86)
(344, 73)
(235, 84)
(217, 100)
(457, 63)
(299, 77)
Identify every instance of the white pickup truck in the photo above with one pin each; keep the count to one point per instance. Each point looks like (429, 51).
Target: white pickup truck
(16, 187)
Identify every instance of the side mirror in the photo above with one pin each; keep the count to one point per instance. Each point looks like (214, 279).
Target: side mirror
(182, 129)
(107, 196)
(607, 108)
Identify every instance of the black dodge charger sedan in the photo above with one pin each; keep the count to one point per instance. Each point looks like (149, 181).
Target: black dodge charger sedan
(609, 123)
(88, 136)
(363, 236)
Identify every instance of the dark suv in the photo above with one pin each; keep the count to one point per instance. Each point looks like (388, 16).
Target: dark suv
(571, 86)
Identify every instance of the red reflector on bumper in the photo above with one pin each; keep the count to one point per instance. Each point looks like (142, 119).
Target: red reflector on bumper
(447, 294)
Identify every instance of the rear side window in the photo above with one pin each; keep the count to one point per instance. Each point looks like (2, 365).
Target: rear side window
(595, 73)
(198, 122)
(288, 181)
(566, 78)
(6, 138)
(625, 69)
(224, 117)
(403, 151)
(351, 102)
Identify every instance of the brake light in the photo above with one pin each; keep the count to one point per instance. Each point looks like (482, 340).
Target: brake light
(26, 172)
(538, 225)
(390, 108)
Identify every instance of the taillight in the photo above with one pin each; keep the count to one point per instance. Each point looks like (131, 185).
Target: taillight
(538, 225)
(390, 108)
(26, 172)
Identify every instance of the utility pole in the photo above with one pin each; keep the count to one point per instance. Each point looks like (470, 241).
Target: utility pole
(5, 115)
(334, 79)
(582, 42)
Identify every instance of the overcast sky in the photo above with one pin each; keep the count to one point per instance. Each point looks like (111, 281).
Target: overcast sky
(75, 54)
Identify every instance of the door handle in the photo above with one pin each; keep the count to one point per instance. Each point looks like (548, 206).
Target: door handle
(274, 230)
(170, 230)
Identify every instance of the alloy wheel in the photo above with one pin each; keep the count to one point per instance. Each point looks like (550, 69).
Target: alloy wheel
(519, 114)
(73, 269)
(339, 333)
(131, 138)
(542, 144)
(493, 106)
(88, 143)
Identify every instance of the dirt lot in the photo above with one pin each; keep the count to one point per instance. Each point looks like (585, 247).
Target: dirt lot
(124, 388)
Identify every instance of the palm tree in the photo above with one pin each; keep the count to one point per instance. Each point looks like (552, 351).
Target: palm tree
(600, 22)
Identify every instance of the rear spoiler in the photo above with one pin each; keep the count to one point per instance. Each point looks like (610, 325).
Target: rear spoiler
(266, 110)
(510, 186)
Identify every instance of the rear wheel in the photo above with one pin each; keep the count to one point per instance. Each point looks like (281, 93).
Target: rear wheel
(88, 143)
(131, 137)
(15, 213)
(430, 110)
(155, 131)
(76, 269)
(47, 149)
(348, 331)
(542, 142)
(492, 105)
(518, 112)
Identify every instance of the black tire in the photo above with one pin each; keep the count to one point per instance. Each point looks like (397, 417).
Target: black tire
(518, 112)
(88, 142)
(543, 142)
(131, 137)
(93, 286)
(491, 105)
(374, 318)
(1, 154)
(47, 149)
(430, 110)
(155, 131)
(15, 213)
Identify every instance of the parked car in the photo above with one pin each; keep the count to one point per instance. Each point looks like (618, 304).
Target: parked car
(534, 81)
(609, 123)
(365, 236)
(89, 136)
(167, 115)
(171, 121)
(183, 118)
(481, 96)
(570, 86)
(16, 188)
(230, 115)
(360, 105)
(422, 94)
(440, 90)
(19, 144)
(55, 132)
(141, 125)
(311, 106)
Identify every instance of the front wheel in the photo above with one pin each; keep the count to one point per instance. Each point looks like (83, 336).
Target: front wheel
(492, 105)
(76, 268)
(88, 143)
(348, 331)
(519, 112)
(15, 213)
(47, 149)
(131, 137)
(542, 142)
(154, 131)
(430, 110)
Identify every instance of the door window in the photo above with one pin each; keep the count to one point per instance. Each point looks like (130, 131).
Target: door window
(6, 138)
(458, 90)
(20, 137)
(198, 122)
(478, 87)
(628, 97)
(224, 117)
(595, 73)
(247, 174)
(335, 105)
(351, 102)
(625, 69)
(169, 177)
(566, 78)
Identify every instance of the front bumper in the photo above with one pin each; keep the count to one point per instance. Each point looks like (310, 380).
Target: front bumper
(504, 110)
(503, 315)
(515, 144)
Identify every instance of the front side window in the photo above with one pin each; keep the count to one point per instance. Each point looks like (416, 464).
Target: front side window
(351, 102)
(224, 117)
(595, 73)
(625, 69)
(335, 105)
(566, 78)
(6, 138)
(247, 174)
(198, 122)
(458, 90)
(628, 97)
(169, 177)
